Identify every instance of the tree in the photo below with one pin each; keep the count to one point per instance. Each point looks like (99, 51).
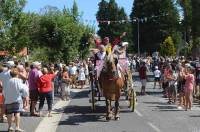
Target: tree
(186, 6)
(74, 11)
(196, 27)
(115, 20)
(167, 47)
(52, 35)
(157, 20)
(61, 35)
(13, 25)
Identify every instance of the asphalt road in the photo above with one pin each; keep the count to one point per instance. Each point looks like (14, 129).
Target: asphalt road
(153, 114)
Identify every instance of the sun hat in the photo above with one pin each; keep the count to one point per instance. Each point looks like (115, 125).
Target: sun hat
(124, 43)
(10, 63)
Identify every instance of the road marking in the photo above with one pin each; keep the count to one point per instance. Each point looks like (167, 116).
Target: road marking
(50, 124)
(138, 113)
(154, 127)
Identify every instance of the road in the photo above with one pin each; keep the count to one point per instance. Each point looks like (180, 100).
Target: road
(152, 114)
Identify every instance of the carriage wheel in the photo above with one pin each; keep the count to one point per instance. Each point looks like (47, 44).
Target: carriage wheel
(133, 100)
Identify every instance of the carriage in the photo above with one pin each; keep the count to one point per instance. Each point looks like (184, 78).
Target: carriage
(98, 88)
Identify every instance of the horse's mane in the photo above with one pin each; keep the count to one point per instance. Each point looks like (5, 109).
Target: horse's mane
(110, 58)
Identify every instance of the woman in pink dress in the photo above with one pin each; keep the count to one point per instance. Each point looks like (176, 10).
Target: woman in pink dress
(189, 85)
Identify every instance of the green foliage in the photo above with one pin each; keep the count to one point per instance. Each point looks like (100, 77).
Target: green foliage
(167, 48)
(39, 54)
(110, 11)
(12, 25)
(63, 39)
(157, 20)
(51, 36)
(195, 27)
(74, 11)
(186, 6)
(186, 51)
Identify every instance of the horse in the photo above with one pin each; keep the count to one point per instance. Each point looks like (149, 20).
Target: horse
(111, 86)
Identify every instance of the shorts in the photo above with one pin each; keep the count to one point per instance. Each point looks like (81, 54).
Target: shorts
(34, 94)
(144, 81)
(12, 108)
(157, 79)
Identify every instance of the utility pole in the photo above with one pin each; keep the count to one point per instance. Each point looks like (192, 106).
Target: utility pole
(138, 33)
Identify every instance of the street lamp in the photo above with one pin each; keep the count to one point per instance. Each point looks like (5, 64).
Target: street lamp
(138, 34)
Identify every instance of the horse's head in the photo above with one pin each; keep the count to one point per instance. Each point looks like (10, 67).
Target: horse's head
(111, 63)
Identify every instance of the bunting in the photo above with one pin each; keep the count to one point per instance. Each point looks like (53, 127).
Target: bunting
(123, 21)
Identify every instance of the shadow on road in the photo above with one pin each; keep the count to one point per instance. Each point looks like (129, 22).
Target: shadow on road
(82, 94)
(162, 106)
(81, 114)
(195, 115)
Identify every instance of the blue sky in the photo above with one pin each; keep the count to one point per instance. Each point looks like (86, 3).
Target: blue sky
(87, 7)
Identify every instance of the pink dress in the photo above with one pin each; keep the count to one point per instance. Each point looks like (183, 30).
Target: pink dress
(189, 84)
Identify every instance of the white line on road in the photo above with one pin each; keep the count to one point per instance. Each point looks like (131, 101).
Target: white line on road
(50, 124)
(138, 113)
(154, 127)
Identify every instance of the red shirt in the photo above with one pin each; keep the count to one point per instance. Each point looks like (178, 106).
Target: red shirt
(116, 41)
(142, 72)
(44, 83)
(1, 99)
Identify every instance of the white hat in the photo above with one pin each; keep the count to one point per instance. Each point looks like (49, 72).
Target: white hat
(10, 63)
(124, 43)
(36, 63)
(156, 67)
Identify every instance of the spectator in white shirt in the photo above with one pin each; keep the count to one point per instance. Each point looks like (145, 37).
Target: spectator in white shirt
(157, 76)
(13, 94)
(73, 74)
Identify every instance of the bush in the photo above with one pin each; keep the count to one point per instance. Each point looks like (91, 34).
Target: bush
(167, 47)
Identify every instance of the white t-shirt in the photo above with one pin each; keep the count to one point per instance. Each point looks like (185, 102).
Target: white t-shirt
(4, 77)
(157, 73)
(15, 91)
(101, 55)
(73, 70)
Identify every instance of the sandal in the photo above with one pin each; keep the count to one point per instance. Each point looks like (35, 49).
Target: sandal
(19, 130)
(50, 115)
(11, 129)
